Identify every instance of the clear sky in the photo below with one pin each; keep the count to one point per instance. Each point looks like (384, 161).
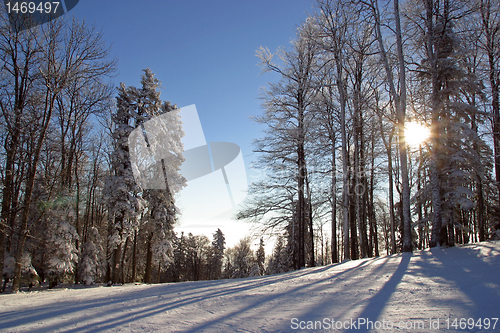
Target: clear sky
(204, 53)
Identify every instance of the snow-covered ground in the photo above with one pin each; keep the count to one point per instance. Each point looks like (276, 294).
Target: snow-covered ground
(395, 293)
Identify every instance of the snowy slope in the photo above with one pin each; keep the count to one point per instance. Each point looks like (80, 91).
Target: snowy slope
(402, 290)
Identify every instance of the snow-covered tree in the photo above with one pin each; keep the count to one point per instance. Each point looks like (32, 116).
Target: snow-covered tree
(254, 270)
(158, 228)
(198, 249)
(242, 259)
(261, 257)
(288, 112)
(92, 260)
(121, 190)
(177, 271)
(334, 22)
(447, 84)
(62, 254)
(163, 128)
(216, 254)
(279, 261)
(29, 272)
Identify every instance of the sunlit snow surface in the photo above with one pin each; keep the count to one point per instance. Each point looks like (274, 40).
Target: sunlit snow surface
(443, 283)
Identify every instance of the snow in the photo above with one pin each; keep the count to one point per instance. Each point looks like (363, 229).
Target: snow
(445, 283)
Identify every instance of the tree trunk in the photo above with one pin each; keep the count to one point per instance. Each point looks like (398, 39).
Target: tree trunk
(301, 180)
(419, 200)
(400, 106)
(7, 192)
(371, 206)
(312, 262)
(333, 191)
(352, 220)
(134, 260)
(345, 157)
(159, 272)
(357, 188)
(77, 222)
(149, 261)
(28, 193)
(122, 260)
(492, 48)
(116, 264)
(407, 242)
(436, 237)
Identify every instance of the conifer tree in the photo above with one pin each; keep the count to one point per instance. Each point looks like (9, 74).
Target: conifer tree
(279, 261)
(121, 190)
(61, 251)
(261, 257)
(163, 129)
(217, 255)
(453, 157)
(91, 263)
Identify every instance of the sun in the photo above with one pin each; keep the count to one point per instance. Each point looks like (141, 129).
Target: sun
(416, 133)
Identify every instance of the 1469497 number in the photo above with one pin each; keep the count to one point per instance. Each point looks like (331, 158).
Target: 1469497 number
(31, 7)
(471, 323)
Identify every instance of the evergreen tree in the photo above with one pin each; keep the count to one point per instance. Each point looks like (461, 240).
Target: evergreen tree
(255, 270)
(62, 254)
(91, 263)
(453, 157)
(178, 269)
(261, 257)
(217, 255)
(27, 269)
(229, 270)
(198, 250)
(121, 190)
(279, 261)
(163, 128)
(157, 130)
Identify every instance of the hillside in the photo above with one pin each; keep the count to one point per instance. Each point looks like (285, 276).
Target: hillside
(402, 290)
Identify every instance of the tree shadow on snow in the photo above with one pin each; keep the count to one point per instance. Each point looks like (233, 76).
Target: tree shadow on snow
(474, 271)
(295, 293)
(147, 302)
(377, 303)
(335, 292)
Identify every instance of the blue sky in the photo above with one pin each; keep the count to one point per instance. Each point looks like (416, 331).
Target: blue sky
(204, 54)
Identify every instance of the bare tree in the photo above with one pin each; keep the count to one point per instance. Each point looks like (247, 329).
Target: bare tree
(51, 57)
(399, 99)
(288, 105)
(334, 23)
(490, 19)
(21, 53)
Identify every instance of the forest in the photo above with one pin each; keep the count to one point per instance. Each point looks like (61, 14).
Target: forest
(382, 135)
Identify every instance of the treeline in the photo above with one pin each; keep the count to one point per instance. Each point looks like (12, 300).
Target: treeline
(74, 209)
(52, 87)
(334, 152)
(71, 210)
